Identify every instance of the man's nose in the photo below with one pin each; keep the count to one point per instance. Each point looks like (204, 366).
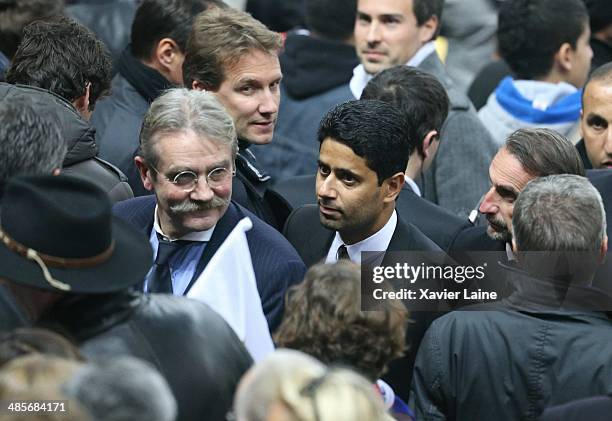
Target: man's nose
(490, 203)
(269, 102)
(326, 187)
(373, 33)
(202, 191)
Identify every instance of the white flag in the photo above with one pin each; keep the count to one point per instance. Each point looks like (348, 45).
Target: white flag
(228, 286)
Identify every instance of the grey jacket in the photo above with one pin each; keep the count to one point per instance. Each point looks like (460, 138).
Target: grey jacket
(459, 174)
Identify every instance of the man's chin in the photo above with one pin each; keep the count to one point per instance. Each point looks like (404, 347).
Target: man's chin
(256, 138)
(373, 68)
(498, 235)
(332, 224)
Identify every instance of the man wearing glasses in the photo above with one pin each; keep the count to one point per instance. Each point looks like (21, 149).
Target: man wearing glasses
(188, 149)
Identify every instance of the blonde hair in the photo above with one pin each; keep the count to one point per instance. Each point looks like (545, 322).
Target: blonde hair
(303, 389)
(37, 377)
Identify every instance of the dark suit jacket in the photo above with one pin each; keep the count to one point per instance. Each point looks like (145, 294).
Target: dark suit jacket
(277, 266)
(435, 222)
(312, 241)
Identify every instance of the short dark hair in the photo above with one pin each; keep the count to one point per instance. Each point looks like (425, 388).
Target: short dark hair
(333, 20)
(425, 9)
(530, 32)
(30, 141)
(62, 56)
(419, 95)
(544, 152)
(15, 14)
(374, 130)
(324, 319)
(158, 19)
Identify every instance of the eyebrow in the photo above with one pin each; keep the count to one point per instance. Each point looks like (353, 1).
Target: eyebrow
(223, 163)
(506, 191)
(593, 117)
(252, 81)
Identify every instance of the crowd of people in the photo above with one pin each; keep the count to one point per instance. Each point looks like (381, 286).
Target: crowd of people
(193, 194)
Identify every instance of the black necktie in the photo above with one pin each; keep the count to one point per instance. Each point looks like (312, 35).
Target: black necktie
(161, 279)
(342, 253)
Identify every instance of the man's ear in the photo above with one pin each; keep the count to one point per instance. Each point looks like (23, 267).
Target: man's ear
(146, 174)
(563, 57)
(169, 60)
(393, 187)
(430, 138)
(603, 251)
(82, 103)
(199, 86)
(515, 249)
(428, 29)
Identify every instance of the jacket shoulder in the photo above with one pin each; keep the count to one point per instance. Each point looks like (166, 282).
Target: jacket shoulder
(304, 231)
(137, 211)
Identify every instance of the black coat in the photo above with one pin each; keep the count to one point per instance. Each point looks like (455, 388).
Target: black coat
(509, 360)
(11, 314)
(192, 346)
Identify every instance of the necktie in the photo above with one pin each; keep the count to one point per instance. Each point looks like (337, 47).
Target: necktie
(342, 253)
(161, 279)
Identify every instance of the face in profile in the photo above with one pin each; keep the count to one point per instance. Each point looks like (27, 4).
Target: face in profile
(250, 93)
(387, 33)
(184, 206)
(595, 122)
(508, 178)
(349, 197)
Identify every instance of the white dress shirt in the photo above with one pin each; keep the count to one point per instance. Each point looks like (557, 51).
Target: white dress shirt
(378, 241)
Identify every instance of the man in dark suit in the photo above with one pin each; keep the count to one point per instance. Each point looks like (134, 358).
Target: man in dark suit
(362, 159)
(422, 97)
(363, 155)
(188, 145)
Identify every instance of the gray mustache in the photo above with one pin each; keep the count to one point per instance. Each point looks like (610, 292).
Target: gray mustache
(191, 206)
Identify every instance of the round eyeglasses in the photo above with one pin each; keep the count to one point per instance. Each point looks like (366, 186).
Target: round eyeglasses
(187, 180)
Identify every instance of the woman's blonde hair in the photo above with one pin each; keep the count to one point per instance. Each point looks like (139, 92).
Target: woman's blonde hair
(302, 389)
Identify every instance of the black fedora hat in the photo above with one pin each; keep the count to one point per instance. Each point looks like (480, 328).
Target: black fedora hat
(58, 233)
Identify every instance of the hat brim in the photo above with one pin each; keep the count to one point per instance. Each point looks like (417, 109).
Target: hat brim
(128, 264)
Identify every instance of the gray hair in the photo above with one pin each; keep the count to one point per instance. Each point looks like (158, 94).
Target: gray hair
(560, 213)
(122, 389)
(544, 152)
(30, 140)
(180, 110)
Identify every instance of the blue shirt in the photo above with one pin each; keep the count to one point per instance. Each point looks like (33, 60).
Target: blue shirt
(184, 262)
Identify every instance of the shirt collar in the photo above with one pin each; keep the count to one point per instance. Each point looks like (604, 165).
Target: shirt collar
(413, 186)
(192, 236)
(379, 241)
(361, 78)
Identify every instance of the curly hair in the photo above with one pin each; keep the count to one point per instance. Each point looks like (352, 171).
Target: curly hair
(323, 318)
